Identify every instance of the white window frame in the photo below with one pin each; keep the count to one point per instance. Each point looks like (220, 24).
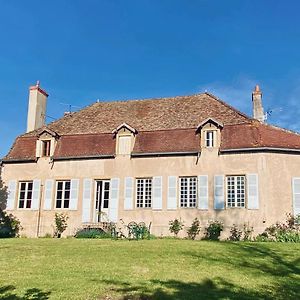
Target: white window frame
(209, 138)
(26, 199)
(63, 199)
(189, 203)
(141, 192)
(46, 147)
(238, 194)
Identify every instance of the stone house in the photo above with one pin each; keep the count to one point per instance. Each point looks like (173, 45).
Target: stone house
(152, 160)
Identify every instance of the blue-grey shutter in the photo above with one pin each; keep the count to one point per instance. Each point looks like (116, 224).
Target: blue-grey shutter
(114, 200)
(74, 194)
(86, 200)
(128, 193)
(172, 192)
(36, 194)
(203, 192)
(219, 192)
(48, 194)
(157, 192)
(253, 195)
(11, 198)
(296, 195)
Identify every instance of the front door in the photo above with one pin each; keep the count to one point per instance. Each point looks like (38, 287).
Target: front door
(102, 201)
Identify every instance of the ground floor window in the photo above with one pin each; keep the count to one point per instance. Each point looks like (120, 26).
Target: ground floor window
(63, 190)
(188, 191)
(25, 194)
(144, 192)
(236, 192)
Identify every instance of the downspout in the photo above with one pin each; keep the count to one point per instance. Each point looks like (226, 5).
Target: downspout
(39, 213)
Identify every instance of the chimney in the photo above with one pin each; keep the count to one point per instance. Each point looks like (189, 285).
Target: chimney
(36, 107)
(258, 110)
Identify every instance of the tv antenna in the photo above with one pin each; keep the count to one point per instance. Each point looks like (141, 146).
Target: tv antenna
(70, 106)
(270, 111)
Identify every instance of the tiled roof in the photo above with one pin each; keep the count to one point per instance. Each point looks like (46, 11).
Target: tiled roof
(163, 126)
(147, 115)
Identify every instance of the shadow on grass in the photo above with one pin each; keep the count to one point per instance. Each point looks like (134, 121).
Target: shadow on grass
(173, 289)
(7, 293)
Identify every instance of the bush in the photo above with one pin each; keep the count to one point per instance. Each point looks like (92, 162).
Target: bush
(247, 232)
(92, 233)
(9, 225)
(213, 230)
(175, 226)
(282, 232)
(194, 230)
(235, 233)
(60, 224)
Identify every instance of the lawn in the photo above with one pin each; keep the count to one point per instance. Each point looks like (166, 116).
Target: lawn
(154, 269)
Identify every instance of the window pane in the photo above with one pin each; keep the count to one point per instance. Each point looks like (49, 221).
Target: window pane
(67, 195)
(60, 185)
(67, 185)
(58, 203)
(30, 184)
(59, 195)
(66, 204)
(21, 204)
(28, 204)
(23, 186)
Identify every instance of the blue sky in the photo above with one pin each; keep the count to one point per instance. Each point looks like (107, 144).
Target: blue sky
(86, 50)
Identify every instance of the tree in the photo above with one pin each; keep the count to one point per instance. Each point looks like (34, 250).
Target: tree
(3, 194)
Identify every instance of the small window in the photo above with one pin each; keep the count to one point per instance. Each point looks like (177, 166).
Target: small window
(144, 192)
(209, 139)
(124, 145)
(188, 191)
(46, 145)
(63, 190)
(236, 192)
(25, 194)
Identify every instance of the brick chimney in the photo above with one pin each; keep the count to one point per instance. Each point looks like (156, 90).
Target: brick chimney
(36, 107)
(258, 110)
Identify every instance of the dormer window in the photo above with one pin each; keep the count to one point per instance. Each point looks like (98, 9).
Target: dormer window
(210, 133)
(46, 148)
(209, 138)
(124, 135)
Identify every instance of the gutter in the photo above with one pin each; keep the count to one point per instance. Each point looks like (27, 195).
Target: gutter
(260, 149)
(136, 154)
(8, 161)
(83, 157)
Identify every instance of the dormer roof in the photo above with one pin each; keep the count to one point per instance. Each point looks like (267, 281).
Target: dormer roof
(124, 125)
(217, 123)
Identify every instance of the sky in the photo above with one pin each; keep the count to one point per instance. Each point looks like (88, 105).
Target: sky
(84, 50)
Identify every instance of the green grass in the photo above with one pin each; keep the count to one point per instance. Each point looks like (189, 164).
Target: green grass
(152, 269)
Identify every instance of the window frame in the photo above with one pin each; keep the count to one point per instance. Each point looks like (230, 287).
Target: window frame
(63, 190)
(142, 205)
(26, 191)
(209, 138)
(235, 200)
(188, 199)
(46, 148)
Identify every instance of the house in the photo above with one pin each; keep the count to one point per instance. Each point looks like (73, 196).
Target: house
(152, 160)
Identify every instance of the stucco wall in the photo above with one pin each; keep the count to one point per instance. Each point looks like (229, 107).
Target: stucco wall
(275, 172)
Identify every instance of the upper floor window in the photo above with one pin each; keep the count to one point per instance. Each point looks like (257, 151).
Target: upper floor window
(46, 146)
(236, 191)
(144, 192)
(124, 144)
(63, 190)
(188, 191)
(209, 138)
(25, 194)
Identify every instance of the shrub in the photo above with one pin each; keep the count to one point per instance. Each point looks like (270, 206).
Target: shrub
(60, 224)
(92, 233)
(213, 230)
(235, 233)
(194, 230)
(175, 226)
(9, 225)
(247, 232)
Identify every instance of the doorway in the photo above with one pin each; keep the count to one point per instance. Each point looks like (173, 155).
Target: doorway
(102, 201)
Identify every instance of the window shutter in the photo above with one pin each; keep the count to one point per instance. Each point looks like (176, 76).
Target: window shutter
(74, 194)
(124, 145)
(128, 193)
(219, 192)
(52, 147)
(253, 197)
(48, 194)
(203, 192)
(36, 194)
(86, 200)
(296, 195)
(114, 200)
(11, 198)
(172, 192)
(38, 148)
(157, 192)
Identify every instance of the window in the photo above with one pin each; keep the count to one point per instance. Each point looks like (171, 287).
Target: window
(63, 194)
(235, 191)
(25, 194)
(46, 145)
(144, 192)
(124, 144)
(209, 139)
(188, 191)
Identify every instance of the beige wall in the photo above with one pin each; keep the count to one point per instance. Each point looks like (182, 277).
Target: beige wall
(275, 172)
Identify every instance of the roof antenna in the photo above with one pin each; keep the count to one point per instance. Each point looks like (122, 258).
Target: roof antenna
(270, 111)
